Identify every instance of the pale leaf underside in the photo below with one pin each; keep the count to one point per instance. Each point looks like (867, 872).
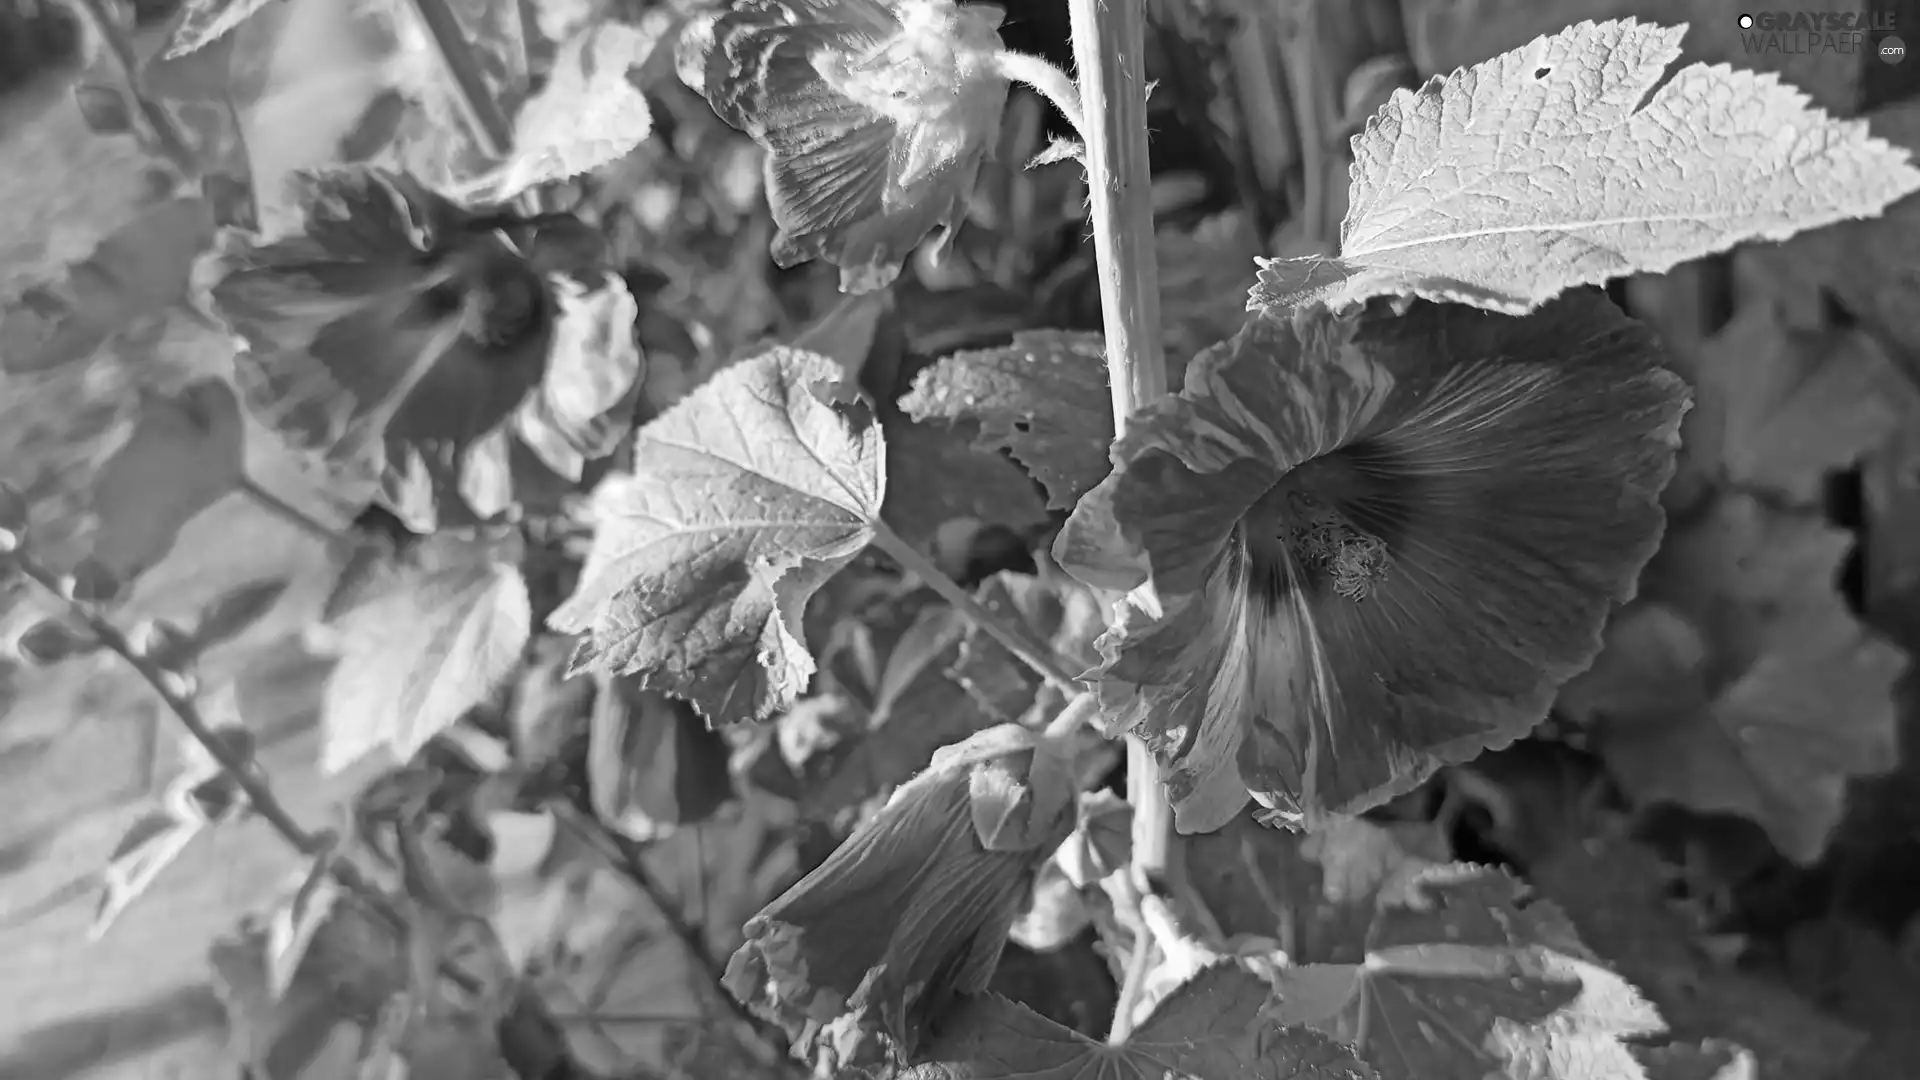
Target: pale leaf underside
(1559, 164)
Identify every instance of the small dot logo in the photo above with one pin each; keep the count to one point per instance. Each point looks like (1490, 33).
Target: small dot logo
(1746, 22)
(1892, 49)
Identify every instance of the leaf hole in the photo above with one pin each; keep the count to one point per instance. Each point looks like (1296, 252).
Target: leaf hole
(1541, 73)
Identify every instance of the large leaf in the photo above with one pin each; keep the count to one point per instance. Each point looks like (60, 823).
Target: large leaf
(1209, 1029)
(186, 453)
(1617, 895)
(1560, 164)
(434, 644)
(1446, 34)
(1469, 984)
(1770, 693)
(1043, 398)
(1779, 411)
(746, 497)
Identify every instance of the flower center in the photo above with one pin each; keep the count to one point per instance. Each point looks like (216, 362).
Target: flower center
(1321, 540)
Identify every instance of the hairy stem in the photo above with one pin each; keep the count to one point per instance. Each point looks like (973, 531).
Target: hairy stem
(1046, 80)
(482, 113)
(1109, 49)
(910, 559)
(259, 793)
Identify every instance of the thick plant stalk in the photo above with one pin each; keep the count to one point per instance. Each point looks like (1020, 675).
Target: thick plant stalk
(1109, 47)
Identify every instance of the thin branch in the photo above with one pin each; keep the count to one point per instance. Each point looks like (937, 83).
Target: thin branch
(920, 566)
(176, 694)
(690, 938)
(290, 513)
(470, 92)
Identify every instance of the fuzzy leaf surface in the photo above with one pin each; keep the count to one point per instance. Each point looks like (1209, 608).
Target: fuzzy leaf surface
(1211, 1028)
(1542, 169)
(419, 655)
(746, 497)
(1043, 399)
(1446, 34)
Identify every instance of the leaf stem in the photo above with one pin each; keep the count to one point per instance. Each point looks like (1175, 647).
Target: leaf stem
(1109, 49)
(620, 854)
(159, 121)
(259, 793)
(290, 513)
(910, 559)
(1046, 80)
(477, 106)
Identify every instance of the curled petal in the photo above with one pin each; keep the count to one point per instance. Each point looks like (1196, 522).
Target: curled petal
(875, 119)
(1356, 549)
(854, 960)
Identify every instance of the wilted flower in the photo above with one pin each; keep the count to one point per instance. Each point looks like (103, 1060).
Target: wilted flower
(875, 117)
(399, 325)
(855, 960)
(1356, 549)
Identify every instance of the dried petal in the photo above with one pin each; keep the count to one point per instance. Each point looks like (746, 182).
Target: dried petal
(875, 118)
(854, 960)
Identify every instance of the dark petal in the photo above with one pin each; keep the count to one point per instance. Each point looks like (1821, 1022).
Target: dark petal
(492, 362)
(905, 914)
(1512, 468)
(857, 960)
(373, 214)
(1517, 488)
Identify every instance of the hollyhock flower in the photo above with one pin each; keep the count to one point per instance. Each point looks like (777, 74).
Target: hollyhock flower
(399, 326)
(875, 118)
(855, 960)
(1355, 549)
